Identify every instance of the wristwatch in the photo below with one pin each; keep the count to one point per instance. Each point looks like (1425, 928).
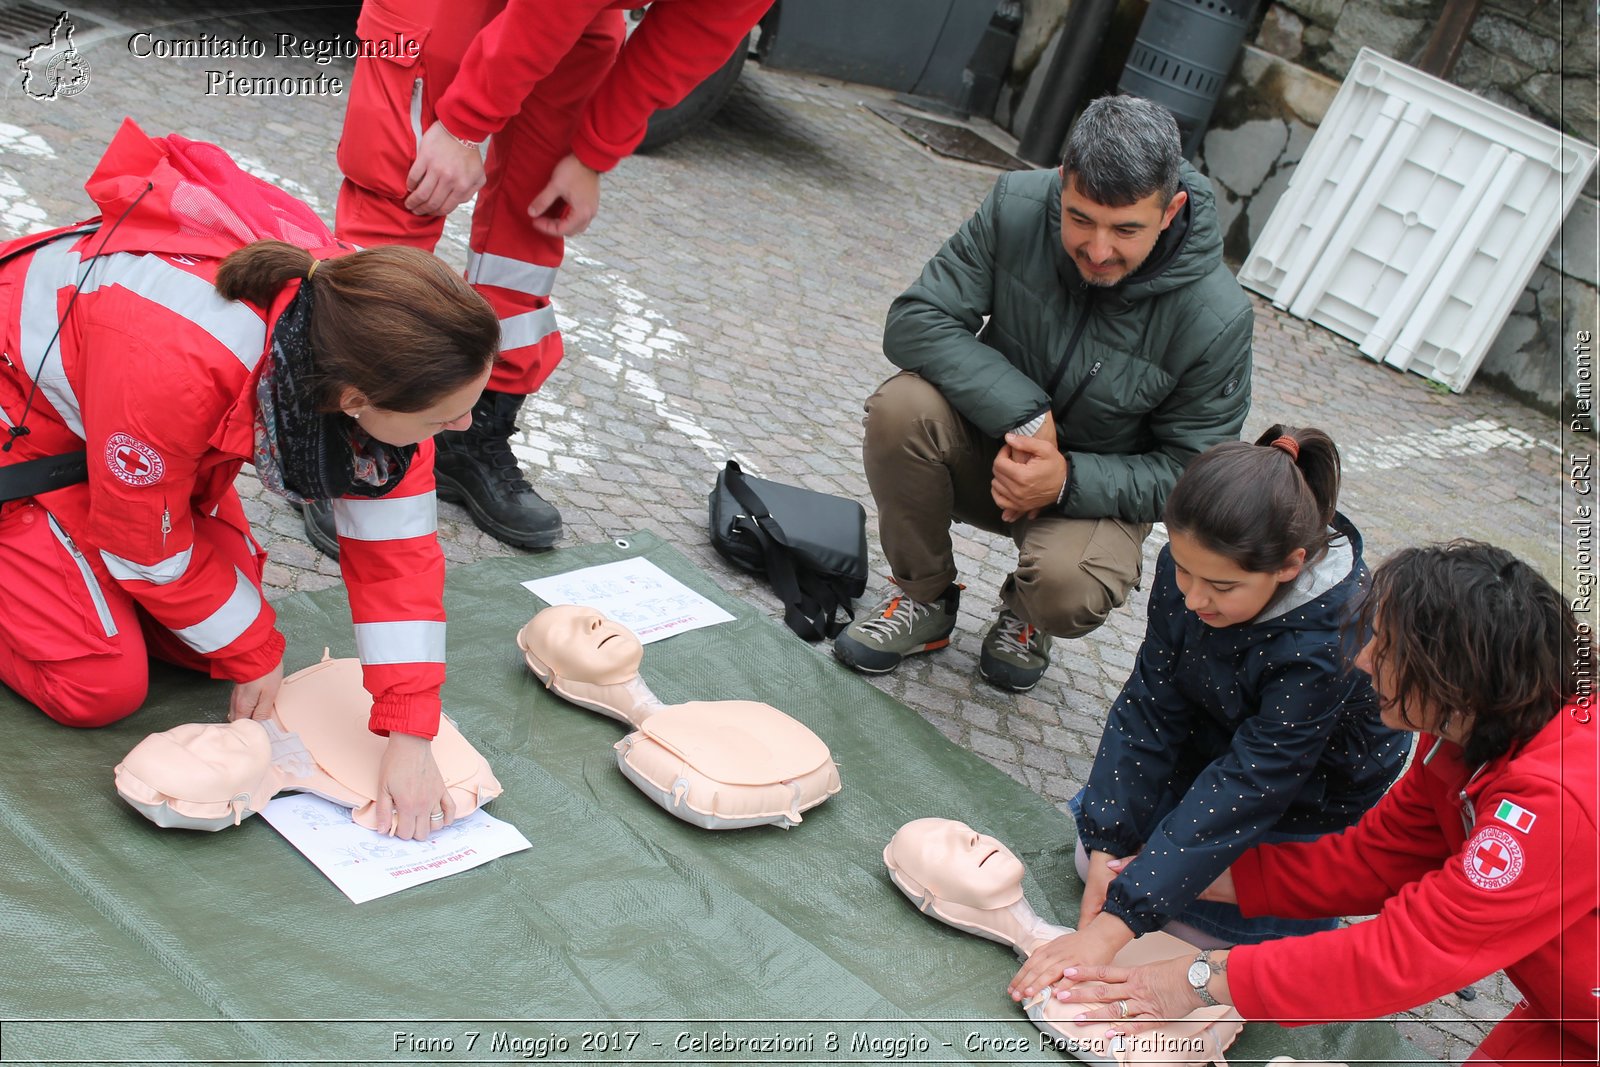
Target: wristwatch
(1200, 972)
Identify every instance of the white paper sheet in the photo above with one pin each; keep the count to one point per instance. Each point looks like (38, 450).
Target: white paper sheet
(366, 865)
(634, 592)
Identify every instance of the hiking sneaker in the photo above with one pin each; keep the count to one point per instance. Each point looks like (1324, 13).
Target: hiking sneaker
(1015, 653)
(898, 627)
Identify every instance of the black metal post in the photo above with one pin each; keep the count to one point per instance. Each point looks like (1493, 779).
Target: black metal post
(1081, 37)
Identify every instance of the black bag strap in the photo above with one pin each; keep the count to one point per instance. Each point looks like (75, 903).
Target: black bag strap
(35, 476)
(810, 603)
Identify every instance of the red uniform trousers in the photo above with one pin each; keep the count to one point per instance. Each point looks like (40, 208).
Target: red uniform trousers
(73, 642)
(392, 102)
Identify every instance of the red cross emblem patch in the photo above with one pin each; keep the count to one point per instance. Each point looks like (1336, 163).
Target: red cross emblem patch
(132, 461)
(1493, 858)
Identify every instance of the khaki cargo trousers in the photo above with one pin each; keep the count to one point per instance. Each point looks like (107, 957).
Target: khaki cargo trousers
(929, 467)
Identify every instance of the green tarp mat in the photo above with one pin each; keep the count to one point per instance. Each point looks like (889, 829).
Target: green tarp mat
(622, 936)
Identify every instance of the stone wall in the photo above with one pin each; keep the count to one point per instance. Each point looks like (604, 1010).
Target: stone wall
(1537, 59)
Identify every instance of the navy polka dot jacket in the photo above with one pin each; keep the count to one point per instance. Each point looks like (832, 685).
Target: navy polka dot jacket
(1233, 732)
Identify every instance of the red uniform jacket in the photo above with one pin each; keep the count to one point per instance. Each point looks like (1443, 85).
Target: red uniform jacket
(1515, 889)
(155, 374)
(677, 45)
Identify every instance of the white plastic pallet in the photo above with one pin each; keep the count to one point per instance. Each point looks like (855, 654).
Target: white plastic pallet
(1416, 218)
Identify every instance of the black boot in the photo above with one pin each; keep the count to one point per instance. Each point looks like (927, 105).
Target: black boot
(476, 468)
(318, 518)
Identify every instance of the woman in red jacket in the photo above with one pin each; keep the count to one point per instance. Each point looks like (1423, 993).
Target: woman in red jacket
(186, 331)
(1482, 856)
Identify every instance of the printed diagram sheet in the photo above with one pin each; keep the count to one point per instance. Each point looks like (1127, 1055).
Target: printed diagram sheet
(366, 865)
(634, 592)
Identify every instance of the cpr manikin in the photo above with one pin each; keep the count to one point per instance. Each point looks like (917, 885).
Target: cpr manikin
(721, 764)
(209, 776)
(974, 883)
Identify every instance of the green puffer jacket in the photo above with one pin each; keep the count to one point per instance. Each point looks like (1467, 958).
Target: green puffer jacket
(1153, 371)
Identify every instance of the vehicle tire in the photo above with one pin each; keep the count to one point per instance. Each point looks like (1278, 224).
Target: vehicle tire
(703, 101)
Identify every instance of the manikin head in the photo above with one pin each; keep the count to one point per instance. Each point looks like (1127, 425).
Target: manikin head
(201, 776)
(974, 883)
(955, 863)
(580, 644)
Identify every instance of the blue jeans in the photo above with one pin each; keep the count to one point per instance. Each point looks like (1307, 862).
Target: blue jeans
(1224, 922)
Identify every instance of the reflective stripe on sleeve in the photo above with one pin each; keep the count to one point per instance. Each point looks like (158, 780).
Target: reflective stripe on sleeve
(386, 518)
(528, 328)
(486, 268)
(224, 625)
(400, 642)
(162, 572)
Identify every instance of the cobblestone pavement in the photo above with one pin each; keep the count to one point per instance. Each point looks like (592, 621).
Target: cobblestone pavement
(729, 302)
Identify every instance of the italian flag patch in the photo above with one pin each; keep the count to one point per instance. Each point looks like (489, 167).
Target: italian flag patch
(1515, 816)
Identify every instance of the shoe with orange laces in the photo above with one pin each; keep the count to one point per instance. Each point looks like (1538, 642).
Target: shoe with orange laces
(898, 627)
(1015, 654)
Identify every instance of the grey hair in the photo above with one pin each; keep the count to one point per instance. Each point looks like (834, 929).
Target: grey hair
(1122, 149)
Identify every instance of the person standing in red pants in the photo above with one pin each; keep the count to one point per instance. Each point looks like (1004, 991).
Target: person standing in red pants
(560, 99)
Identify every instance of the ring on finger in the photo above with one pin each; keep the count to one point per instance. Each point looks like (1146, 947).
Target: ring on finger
(1122, 1009)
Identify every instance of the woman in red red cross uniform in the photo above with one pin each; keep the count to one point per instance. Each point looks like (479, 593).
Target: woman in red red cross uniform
(184, 332)
(1482, 857)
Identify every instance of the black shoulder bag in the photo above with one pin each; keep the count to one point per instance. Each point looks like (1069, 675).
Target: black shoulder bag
(812, 547)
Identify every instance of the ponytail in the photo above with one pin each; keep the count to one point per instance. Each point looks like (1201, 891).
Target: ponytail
(256, 272)
(1255, 504)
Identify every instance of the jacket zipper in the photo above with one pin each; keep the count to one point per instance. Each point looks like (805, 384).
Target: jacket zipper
(90, 582)
(1066, 358)
(1076, 393)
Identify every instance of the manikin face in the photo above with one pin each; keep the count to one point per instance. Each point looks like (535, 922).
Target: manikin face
(1220, 591)
(581, 645)
(204, 762)
(1110, 243)
(958, 864)
(453, 411)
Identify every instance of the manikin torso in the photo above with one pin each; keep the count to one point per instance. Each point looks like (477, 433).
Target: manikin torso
(973, 882)
(720, 764)
(208, 776)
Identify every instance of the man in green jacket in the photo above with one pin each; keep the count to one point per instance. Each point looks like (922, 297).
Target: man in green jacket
(1064, 355)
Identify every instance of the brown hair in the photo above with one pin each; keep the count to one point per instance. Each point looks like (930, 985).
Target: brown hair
(1256, 504)
(392, 322)
(1473, 632)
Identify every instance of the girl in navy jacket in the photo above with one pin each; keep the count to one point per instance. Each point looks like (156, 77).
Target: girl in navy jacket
(1242, 721)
